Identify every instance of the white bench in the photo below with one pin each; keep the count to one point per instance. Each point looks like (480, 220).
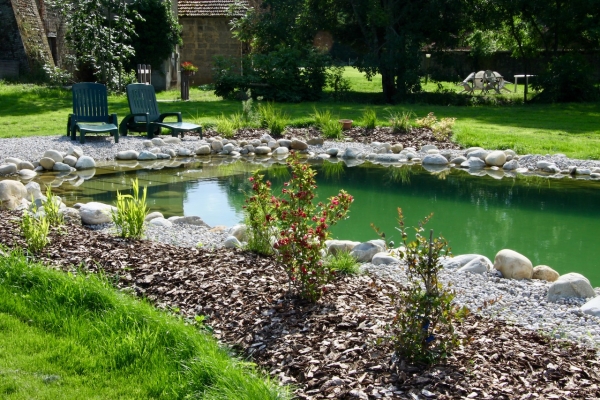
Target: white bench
(522, 76)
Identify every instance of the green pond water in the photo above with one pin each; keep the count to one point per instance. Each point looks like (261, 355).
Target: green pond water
(551, 221)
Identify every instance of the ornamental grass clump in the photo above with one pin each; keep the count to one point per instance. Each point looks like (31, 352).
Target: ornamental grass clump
(330, 127)
(401, 121)
(131, 213)
(272, 119)
(423, 328)
(302, 226)
(369, 119)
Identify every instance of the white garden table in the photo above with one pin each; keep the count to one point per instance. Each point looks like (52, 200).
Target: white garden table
(522, 76)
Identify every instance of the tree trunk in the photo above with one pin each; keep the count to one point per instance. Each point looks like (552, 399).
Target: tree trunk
(387, 82)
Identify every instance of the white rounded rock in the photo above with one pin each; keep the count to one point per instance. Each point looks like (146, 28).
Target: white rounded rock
(513, 265)
(85, 162)
(592, 307)
(298, 144)
(478, 265)
(53, 154)
(8, 169)
(203, 150)
(545, 273)
(232, 242)
(570, 285)
(47, 163)
(281, 151)
(496, 158)
(334, 246)
(240, 232)
(384, 258)
(127, 154)
(364, 252)
(12, 194)
(94, 213)
(160, 221)
(434, 159)
(153, 215)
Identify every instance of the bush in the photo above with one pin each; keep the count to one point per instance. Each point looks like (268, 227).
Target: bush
(423, 329)
(567, 79)
(131, 213)
(342, 262)
(284, 75)
(302, 226)
(332, 129)
(340, 86)
(441, 129)
(226, 127)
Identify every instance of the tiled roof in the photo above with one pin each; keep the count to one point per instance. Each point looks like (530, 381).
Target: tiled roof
(207, 8)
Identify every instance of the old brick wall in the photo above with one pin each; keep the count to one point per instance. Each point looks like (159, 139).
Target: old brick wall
(22, 35)
(203, 39)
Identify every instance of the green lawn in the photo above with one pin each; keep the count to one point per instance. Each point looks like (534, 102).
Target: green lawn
(572, 129)
(67, 337)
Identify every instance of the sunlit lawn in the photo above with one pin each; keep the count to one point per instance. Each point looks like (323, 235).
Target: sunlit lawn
(572, 129)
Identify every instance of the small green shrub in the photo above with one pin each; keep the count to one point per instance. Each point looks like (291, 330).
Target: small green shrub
(259, 214)
(35, 229)
(131, 213)
(426, 122)
(369, 119)
(343, 263)
(443, 129)
(52, 208)
(423, 328)
(250, 115)
(273, 119)
(225, 127)
(400, 121)
(340, 86)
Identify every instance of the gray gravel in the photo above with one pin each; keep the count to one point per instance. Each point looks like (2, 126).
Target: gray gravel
(522, 303)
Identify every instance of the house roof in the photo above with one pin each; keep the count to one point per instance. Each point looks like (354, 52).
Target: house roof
(208, 8)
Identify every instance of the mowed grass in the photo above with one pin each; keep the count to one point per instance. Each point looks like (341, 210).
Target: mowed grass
(75, 337)
(572, 129)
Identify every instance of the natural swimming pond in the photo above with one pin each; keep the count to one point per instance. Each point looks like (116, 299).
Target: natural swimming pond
(551, 221)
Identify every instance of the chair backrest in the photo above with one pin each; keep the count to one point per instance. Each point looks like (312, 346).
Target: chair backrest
(142, 99)
(470, 77)
(90, 102)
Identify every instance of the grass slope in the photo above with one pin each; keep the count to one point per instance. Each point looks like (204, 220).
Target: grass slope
(67, 337)
(572, 129)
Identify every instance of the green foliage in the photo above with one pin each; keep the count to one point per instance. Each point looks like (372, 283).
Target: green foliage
(79, 329)
(332, 129)
(259, 216)
(400, 121)
(567, 79)
(302, 226)
(131, 213)
(35, 229)
(423, 328)
(272, 118)
(285, 75)
(369, 118)
(97, 41)
(57, 76)
(226, 127)
(52, 208)
(441, 129)
(339, 85)
(321, 117)
(343, 263)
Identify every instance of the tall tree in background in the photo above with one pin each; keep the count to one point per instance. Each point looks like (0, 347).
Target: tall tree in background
(157, 32)
(390, 34)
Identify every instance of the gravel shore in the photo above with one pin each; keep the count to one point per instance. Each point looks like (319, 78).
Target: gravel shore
(520, 302)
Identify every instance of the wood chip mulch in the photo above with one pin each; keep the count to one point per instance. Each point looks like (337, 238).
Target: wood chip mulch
(417, 137)
(335, 348)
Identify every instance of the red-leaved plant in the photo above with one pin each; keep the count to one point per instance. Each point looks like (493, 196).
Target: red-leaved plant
(302, 226)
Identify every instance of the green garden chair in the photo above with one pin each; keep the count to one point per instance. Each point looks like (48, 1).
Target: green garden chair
(90, 112)
(145, 116)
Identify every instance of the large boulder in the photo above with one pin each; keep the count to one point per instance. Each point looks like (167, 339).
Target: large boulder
(190, 220)
(94, 213)
(333, 246)
(34, 191)
(496, 158)
(203, 150)
(434, 159)
(47, 163)
(298, 144)
(513, 265)
(12, 194)
(364, 252)
(570, 285)
(125, 155)
(53, 154)
(463, 259)
(384, 258)
(85, 162)
(8, 169)
(545, 273)
(478, 265)
(592, 307)
(239, 231)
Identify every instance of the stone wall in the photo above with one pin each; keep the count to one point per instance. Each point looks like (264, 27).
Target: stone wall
(22, 36)
(203, 39)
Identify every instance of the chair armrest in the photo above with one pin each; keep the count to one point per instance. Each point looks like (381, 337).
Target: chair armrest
(170, 114)
(112, 119)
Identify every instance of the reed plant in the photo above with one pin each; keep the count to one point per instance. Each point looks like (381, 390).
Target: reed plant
(131, 213)
(369, 118)
(273, 119)
(342, 262)
(400, 121)
(35, 228)
(226, 127)
(52, 208)
(332, 129)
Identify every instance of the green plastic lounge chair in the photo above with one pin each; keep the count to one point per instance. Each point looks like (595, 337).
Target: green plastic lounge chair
(90, 112)
(145, 116)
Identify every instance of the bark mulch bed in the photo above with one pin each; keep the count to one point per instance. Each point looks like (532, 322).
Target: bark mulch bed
(332, 349)
(417, 137)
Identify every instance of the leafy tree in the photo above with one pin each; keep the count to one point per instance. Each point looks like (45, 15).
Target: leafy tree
(99, 33)
(157, 32)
